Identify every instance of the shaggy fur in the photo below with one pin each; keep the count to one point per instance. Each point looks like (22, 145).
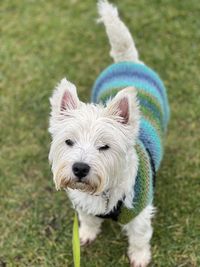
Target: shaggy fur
(103, 137)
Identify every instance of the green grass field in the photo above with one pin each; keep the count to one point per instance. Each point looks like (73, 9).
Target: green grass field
(43, 41)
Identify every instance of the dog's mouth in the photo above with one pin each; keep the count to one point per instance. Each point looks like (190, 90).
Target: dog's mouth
(81, 186)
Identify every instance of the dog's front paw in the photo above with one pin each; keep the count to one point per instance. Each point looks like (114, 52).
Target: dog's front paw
(140, 258)
(87, 235)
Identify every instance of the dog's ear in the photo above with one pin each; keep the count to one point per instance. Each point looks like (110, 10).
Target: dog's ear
(64, 98)
(124, 107)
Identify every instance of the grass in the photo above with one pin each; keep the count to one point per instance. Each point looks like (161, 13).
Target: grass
(43, 41)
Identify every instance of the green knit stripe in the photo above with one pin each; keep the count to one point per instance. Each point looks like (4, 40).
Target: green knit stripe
(143, 95)
(150, 103)
(109, 94)
(143, 187)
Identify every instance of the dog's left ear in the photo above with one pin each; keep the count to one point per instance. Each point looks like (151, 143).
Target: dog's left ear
(124, 107)
(64, 98)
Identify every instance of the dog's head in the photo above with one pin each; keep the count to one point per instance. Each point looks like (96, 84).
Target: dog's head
(91, 143)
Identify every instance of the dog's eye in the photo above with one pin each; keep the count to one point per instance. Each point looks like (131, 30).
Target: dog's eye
(69, 142)
(102, 148)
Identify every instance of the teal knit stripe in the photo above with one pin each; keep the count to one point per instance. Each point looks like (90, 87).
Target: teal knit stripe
(125, 67)
(155, 122)
(149, 104)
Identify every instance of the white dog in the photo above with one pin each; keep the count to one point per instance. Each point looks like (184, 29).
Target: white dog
(105, 154)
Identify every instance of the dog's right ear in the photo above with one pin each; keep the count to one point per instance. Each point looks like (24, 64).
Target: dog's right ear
(64, 98)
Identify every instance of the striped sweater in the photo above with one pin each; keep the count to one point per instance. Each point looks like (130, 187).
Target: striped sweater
(154, 110)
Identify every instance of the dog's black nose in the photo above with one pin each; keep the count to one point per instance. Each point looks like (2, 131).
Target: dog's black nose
(80, 169)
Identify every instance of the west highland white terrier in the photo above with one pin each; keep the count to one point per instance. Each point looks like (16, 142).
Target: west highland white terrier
(105, 154)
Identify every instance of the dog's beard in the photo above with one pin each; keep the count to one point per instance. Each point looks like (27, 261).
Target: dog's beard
(89, 185)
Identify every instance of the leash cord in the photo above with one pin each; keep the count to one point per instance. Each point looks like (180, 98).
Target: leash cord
(76, 242)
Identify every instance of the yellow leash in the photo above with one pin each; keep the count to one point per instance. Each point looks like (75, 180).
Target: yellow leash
(76, 242)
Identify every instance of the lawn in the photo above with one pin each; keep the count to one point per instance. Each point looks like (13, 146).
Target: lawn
(43, 41)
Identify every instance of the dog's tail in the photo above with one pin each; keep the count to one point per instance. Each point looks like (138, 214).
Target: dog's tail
(122, 44)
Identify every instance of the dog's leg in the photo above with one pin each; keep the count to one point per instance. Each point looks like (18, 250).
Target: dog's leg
(139, 232)
(90, 227)
(122, 44)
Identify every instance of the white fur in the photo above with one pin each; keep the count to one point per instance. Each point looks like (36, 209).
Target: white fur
(90, 127)
(89, 227)
(122, 44)
(139, 232)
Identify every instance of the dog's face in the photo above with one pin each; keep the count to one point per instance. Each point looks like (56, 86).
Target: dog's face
(91, 143)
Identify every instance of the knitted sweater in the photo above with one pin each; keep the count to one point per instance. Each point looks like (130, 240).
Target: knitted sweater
(154, 110)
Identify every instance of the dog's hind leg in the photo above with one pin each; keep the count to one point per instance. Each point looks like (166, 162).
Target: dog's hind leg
(122, 44)
(139, 232)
